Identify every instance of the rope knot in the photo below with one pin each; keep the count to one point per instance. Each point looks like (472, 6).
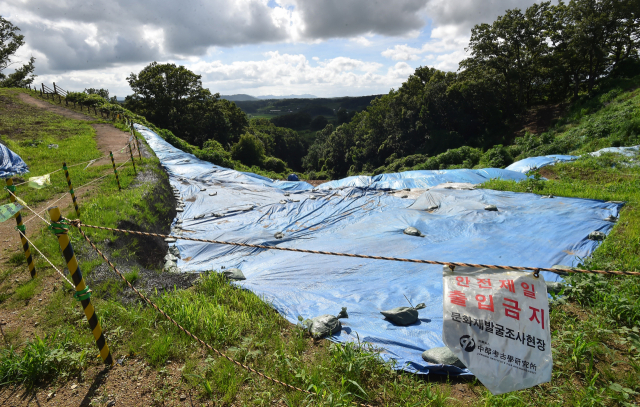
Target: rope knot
(59, 228)
(75, 223)
(83, 294)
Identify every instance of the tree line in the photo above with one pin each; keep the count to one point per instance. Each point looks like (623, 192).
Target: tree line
(545, 54)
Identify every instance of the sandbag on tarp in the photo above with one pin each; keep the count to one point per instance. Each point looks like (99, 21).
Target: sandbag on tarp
(403, 315)
(527, 230)
(533, 163)
(324, 325)
(234, 274)
(10, 163)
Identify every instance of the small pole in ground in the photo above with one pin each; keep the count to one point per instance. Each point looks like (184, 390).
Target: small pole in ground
(83, 293)
(115, 170)
(133, 133)
(132, 160)
(22, 230)
(71, 191)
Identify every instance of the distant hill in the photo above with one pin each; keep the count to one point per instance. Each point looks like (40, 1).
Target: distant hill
(238, 98)
(305, 96)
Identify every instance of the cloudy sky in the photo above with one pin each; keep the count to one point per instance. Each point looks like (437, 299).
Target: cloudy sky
(323, 47)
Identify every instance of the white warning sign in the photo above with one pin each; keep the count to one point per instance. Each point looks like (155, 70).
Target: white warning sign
(497, 323)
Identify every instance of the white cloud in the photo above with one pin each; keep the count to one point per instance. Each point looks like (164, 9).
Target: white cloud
(402, 53)
(286, 74)
(362, 41)
(444, 51)
(89, 43)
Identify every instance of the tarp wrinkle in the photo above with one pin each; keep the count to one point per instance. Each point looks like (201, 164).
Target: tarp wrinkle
(359, 215)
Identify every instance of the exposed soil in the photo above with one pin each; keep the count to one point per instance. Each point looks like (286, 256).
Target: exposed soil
(132, 382)
(108, 137)
(539, 119)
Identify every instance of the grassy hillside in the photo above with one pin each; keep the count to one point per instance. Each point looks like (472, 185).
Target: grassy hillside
(594, 328)
(610, 118)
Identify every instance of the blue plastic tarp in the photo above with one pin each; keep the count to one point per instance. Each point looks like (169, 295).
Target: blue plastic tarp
(526, 230)
(10, 163)
(626, 151)
(423, 179)
(533, 163)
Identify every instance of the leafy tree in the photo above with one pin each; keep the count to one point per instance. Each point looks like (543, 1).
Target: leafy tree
(249, 150)
(496, 157)
(318, 123)
(344, 115)
(172, 97)
(22, 77)
(315, 158)
(294, 121)
(10, 41)
(283, 143)
(100, 92)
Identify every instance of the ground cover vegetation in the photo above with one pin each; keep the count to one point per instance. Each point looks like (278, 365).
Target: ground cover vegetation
(594, 325)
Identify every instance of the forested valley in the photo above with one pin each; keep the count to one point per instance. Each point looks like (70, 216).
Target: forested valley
(573, 56)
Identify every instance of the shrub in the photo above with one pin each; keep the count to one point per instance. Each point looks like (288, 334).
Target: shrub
(496, 157)
(249, 150)
(274, 164)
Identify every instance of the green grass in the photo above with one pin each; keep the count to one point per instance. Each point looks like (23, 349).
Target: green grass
(28, 289)
(40, 360)
(595, 328)
(595, 325)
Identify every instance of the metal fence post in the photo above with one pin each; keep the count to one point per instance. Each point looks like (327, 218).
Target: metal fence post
(83, 294)
(71, 191)
(22, 230)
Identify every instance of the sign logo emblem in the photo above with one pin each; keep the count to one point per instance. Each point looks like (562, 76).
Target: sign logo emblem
(467, 343)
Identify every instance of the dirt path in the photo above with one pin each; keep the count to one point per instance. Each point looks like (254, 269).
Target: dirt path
(108, 137)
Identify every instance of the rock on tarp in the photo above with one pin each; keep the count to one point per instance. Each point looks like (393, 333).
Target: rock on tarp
(527, 230)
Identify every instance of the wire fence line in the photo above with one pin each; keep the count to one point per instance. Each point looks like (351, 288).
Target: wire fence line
(47, 259)
(78, 223)
(190, 334)
(64, 195)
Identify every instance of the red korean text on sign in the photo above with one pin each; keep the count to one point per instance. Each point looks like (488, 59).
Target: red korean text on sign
(511, 308)
(529, 290)
(534, 315)
(484, 283)
(458, 298)
(462, 281)
(508, 284)
(484, 303)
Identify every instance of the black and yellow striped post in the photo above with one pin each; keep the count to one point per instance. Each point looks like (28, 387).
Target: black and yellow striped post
(132, 160)
(22, 230)
(82, 294)
(115, 170)
(71, 191)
